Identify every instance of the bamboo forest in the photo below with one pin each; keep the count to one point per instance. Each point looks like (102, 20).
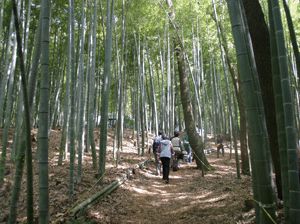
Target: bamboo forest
(150, 111)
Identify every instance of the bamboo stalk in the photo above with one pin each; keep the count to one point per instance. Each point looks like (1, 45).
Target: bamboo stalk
(99, 195)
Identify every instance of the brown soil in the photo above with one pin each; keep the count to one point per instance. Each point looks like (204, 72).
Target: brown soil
(219, 197)
(188, 198)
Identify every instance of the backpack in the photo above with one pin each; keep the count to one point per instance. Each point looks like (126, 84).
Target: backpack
(156, 143)
(176, 145)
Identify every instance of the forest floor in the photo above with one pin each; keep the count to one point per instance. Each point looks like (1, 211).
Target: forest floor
(218, 197)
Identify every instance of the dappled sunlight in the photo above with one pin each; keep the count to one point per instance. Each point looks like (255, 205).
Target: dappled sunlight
(145, 197)
(223, 167)
(210, 200)
(213, 175)
(154, 188)
(175, 177)
(225, 172)
(182, 196)
(144, 191)
(221, 174)
(97, 215)
(204, 195)
(110, 165)
(204, 205)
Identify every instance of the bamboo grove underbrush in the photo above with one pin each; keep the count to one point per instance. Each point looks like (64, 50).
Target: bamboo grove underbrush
(168, 65)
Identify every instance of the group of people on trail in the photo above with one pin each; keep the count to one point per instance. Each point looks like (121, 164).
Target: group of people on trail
(167, 150)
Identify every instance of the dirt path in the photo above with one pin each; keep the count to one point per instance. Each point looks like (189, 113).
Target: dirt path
(188, 198)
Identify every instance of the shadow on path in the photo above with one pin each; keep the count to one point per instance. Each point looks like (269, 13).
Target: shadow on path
(188, 198)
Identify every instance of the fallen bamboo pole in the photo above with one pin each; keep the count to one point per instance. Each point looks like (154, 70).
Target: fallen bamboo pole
(105, 191)
(101, 194)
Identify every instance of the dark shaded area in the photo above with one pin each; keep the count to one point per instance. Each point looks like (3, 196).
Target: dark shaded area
(261, 45)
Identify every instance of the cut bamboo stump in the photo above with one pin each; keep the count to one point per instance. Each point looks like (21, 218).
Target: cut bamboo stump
(142, 165)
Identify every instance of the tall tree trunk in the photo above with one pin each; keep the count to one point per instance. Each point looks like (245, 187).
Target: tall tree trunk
(235, 133)
(154, 108)
(26, 30)
(292, 36)
(162, 96)
(5, 65)
(120, 120)
(35, 64)
(1, 20)
(261, 45)
(261, 174)
(71, 73)
(194, 139)
(81, 102)
(8, 109)
(105, 90)
(141, 90)
(288, 112)
(168, 91)
(43, 118)
(64, 135)
(243, 133)
(238, 92)
(27, 145)
(91, 89)
(279, 116)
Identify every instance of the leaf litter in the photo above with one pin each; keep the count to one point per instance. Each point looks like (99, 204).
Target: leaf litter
(219, 197)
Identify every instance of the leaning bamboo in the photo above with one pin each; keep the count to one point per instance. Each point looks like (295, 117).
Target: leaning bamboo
(292, 36)
(8, 111)
(27, 146)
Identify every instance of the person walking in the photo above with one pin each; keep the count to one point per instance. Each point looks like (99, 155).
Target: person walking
(165, 153)
(177, 147)
(220, 146)
(155, 146)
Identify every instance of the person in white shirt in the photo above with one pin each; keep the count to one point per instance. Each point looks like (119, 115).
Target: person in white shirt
(165, 153)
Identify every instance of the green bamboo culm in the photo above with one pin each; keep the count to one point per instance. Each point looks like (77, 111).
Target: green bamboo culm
(292, 36)
(43, 118)
(288, 109)
(279, 116)
(71, 73)
(263, 157)
(105, 89)
(261, 174)
(26, 139)
(91, 89)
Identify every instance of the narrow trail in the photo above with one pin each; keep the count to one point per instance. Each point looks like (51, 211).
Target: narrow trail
(217, 198)
(188, 198)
